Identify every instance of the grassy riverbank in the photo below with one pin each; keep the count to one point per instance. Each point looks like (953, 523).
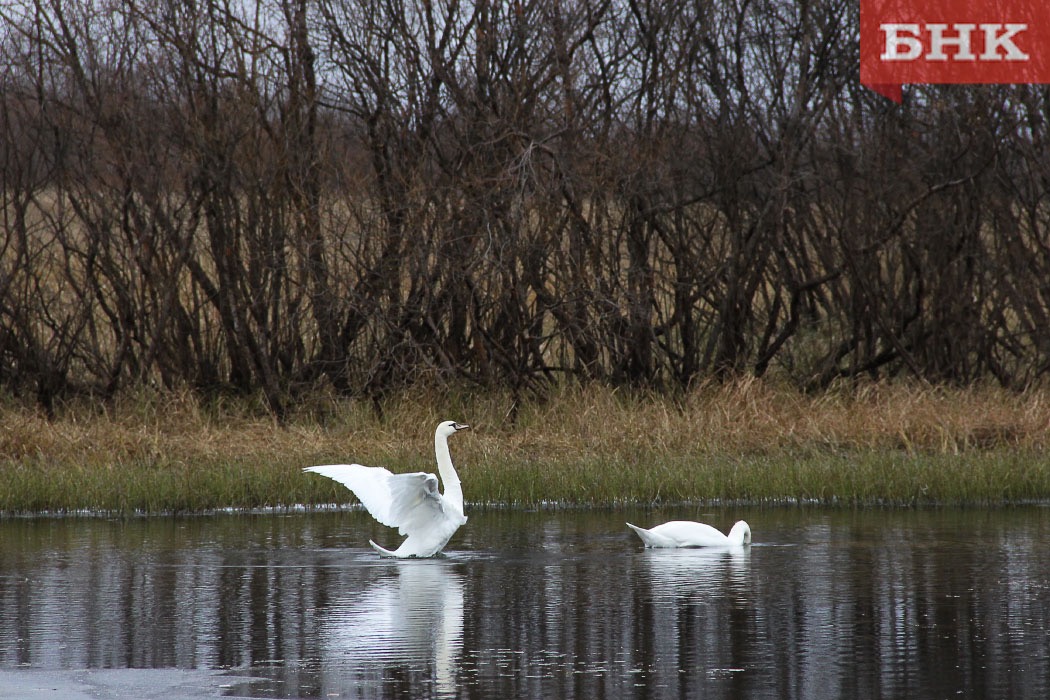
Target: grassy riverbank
(748, 441)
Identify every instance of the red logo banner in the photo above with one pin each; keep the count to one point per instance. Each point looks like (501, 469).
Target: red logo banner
(953, 41)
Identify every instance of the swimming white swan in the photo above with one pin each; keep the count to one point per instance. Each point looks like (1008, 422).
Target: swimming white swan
(685, 533)
(409, 502)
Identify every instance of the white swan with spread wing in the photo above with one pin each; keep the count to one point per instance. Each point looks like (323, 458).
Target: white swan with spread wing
(685, 533)
(409, 502)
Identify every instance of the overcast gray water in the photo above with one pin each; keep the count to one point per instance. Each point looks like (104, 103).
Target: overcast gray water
(945, 603)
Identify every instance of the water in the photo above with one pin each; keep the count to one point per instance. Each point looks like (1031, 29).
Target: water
(825, 604)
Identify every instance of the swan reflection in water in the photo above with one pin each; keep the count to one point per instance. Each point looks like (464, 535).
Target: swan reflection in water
(693, 596)
(678, 573)
(405, 628)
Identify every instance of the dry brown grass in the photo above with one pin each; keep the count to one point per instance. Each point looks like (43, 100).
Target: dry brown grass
(747, 439)
(751, 416)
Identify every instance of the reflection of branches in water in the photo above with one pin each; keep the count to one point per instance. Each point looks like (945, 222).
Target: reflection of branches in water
(412, 621)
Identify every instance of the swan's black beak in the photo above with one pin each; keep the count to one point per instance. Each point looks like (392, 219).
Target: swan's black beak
(461, 426)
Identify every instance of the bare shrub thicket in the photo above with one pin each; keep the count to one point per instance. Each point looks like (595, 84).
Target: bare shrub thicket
(286, 194)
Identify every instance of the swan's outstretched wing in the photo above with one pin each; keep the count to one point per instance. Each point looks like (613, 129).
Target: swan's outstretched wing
(409, 502)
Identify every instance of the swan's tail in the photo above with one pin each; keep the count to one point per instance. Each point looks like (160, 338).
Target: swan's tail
(648, 538)
(382, 552)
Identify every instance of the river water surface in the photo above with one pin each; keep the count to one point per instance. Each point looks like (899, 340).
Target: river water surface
(940, 603)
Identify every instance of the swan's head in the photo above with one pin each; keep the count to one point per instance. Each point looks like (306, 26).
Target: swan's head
(450, 427)
(741, 533)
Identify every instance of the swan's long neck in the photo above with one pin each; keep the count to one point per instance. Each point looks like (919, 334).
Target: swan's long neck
(449, 477)
(740, 534)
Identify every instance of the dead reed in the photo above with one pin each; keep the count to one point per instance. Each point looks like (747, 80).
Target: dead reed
(743, 441)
